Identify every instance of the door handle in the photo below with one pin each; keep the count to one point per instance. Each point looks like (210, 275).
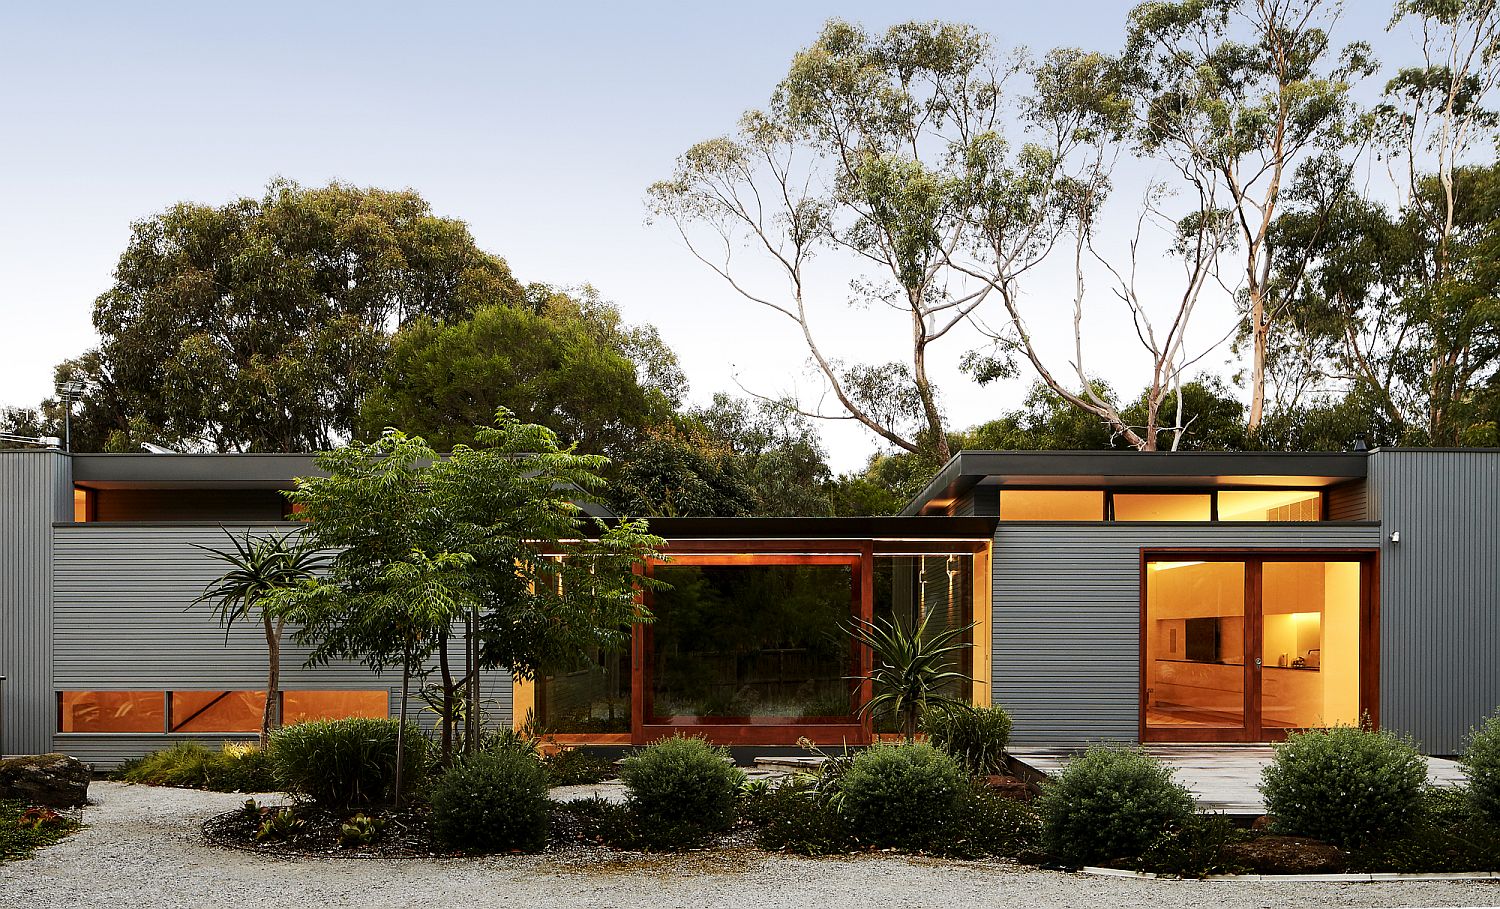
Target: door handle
(1257, 662)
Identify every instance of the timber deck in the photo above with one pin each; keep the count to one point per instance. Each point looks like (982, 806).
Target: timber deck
(1222, 778)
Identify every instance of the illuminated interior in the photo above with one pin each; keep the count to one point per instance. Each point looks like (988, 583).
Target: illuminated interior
(1052, 504)
(1308, 613)
(1195, 652)
(304, 706)
(1160, 506)
(1271, 505)
(112, 711)
(82, 505)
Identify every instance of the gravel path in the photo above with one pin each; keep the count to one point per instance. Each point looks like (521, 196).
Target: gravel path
(142, 849)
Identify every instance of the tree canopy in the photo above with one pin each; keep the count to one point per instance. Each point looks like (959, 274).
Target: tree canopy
(258, 325)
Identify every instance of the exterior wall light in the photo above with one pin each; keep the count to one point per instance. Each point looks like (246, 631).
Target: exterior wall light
(1395, 536)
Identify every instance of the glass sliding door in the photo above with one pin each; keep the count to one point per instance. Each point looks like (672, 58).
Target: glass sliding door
(1195, 648)
(1310, 644)
(1243, 649)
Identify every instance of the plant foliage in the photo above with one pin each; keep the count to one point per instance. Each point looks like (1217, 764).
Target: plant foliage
(1346, 785)
(974, 736)
(1481, 763)
(346, 765)
(901, 796)
(681, 791)
(492, 801)
(912, 666)
(1108, 803)
(189, 765)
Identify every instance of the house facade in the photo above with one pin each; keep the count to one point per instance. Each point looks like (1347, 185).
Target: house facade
(1182, 597)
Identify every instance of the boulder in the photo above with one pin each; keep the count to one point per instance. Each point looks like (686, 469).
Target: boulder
(1285, 855)
(53, 780)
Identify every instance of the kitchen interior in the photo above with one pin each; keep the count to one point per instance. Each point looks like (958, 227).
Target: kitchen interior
(1309, 623)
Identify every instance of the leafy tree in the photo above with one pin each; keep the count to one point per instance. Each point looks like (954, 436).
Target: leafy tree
(562, 363)
(490, 539)
(259, 324)
(1244, 92)
(1402, 312)
(260, 568)
(854, 170)
(733, 457)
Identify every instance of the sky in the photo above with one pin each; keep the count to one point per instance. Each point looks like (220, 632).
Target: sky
(540, 125)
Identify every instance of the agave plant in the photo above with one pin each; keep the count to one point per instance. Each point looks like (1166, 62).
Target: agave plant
(259, 566)
(912, 665)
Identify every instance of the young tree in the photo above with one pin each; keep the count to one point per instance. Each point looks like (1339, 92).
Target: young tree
(491, 540)
(261, 568)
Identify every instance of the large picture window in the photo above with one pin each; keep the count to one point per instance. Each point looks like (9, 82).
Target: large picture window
(207, 712)
(744, 641)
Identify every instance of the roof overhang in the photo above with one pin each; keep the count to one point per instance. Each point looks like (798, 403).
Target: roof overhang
(1207, 469)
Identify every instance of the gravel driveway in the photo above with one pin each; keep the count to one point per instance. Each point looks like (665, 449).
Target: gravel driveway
(142, 849)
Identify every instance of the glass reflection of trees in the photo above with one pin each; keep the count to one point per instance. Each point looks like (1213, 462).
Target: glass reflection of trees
(752, 641)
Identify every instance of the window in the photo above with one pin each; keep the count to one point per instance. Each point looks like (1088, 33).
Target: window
(83, 505)
(302, 706)
(111, 711)
(738, 641)
(1271, 505)
(1163, 506)
(1051, 504)
(217, 711)
(593, 698)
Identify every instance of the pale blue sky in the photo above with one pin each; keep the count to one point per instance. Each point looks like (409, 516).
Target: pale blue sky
(538, 124)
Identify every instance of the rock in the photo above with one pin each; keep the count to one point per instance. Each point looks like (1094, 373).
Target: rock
(1010, 787)
(53, 780)
(1285, 855)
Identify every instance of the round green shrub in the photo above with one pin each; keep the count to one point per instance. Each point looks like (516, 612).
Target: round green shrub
(680, 791)
(901, 796)
(1110, 802)
(1344, 785)
(491, 802)
(348, 764)
(974, 736)
(1481, 763)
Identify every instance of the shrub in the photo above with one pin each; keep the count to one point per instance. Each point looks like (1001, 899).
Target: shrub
(1481, 763)
(512, 740)
(1195, 848)
(901, 795)
(577, 767)
(1344, 785)
(974, 736)
(790, 817)
(987, 824)
(491, 802)
(680, 791)
(1448, 834)
(1110, 802)
(349, 764)
(235, 768)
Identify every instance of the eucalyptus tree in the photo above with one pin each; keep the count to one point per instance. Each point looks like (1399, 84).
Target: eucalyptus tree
(1245, 92)
(850, 178)
(490, 541)
(261, 568)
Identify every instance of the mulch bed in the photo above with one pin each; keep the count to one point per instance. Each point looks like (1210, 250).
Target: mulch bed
(407, 833)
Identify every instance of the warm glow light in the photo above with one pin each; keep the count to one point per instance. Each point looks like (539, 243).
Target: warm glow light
(1163, 566)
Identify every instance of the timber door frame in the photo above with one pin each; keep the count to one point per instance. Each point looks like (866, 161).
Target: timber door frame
(1254, 560)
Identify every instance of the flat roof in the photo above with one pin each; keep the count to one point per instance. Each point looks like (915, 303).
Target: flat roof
(888, 527)
(187, 471)
(968, 469)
